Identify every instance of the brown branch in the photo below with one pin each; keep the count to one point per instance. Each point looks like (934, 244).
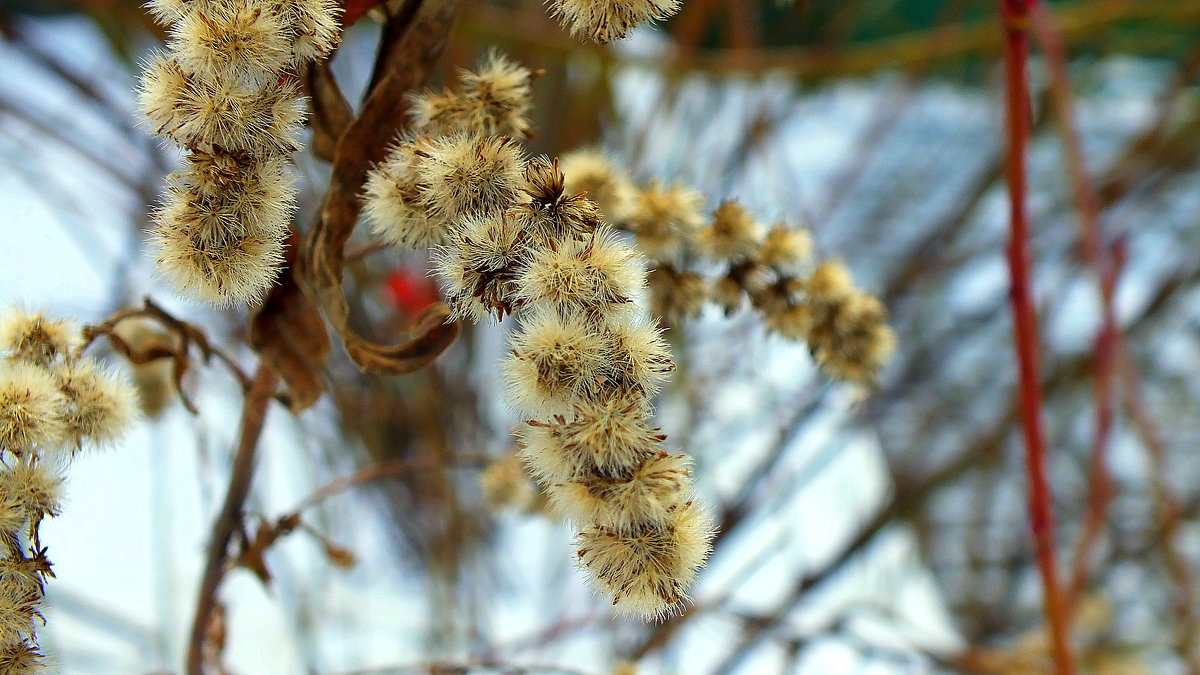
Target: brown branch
(254, 410)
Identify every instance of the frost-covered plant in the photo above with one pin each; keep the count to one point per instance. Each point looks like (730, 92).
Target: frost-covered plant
(225, 90)
(53, 403)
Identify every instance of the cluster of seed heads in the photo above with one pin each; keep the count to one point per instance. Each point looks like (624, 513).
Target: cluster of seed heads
(509, 238)
(729, 259)
(53, 403)
(225, 90)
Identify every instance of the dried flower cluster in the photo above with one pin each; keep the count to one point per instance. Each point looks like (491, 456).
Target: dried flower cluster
(52, 404)
(729, 258)
(225, 90)
(607, 20)
(584, 362)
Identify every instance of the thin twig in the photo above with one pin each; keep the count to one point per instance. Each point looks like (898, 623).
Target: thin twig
(1025, 333)
(254, 410)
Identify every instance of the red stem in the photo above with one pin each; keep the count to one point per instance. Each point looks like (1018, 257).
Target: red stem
(1087, 203)
(1041, 512)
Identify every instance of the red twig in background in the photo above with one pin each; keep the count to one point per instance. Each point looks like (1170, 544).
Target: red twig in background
(1169, 511)
(1041, 511)
(1087, 203)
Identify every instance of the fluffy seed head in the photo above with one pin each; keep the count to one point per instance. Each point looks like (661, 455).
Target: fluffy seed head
(639, 358)
(231, 41)
(849, 336)
(494, 101)
(666, 218)
(646, 571)
(675, 295)
(506, 485)
(236, 269)
(829, 281)
(31, 408)
(221, 197)
(161, 88)
(609, 437)
(622, 502)
(606, 20)
(33, 338)
(593, 276)
(728, 294)
(311, 26)
(556, 362)
(392, 203)
(592, 173)
(480, 266)
(36, 487)
(100, 406)
(227, 115)
(464, 175)
(21, 658)
(18, 609)
(785, 248)
(167, 12)
(732, 236)
(550, 213)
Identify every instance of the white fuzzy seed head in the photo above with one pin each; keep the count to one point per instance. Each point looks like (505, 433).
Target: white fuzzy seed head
(666, 219)
(235, 269)
(392, 203)
(625, 500)
(464, 175)
(31, 408)
(33, 338)
(599, 276)
(550, 213)
(556, 362)
(606, 20)
(480, 266)
(785, 248)
(646, 571)
(733, 235)
(593, 174)
(233, 41)
(100, 406)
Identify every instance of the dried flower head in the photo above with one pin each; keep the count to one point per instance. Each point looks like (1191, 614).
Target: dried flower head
(311, 26)
(506, 485)
(480, 266)
(550, 213)
(733, 235)
(494, 101)
(592, 276)
(18, 609)
(626, 499)
(31, 408)
(556, 362)
(675, 295)
(728, 294)
(647, 569)
(100, 407)
(785, 248)
(218, 271)
(220, 197)
(665, 219)
(608, 437)
(231, 41)
(21, 658)
(35, 485)
(593, 174)
(34, 338)
(639, 358)
(607, 20)
(392, 202)
(463, 175)
(228, 115)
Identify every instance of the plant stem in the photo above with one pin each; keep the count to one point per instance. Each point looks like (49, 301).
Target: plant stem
(254, 411)
(1025, 333)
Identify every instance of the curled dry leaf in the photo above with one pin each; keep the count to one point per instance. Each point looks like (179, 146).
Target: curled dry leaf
(288, 332)
(412, 42)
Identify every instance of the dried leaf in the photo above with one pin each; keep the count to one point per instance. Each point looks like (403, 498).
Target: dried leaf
(412, 41)
(288, 332)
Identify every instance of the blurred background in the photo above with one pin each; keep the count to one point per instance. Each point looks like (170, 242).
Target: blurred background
(863, 530)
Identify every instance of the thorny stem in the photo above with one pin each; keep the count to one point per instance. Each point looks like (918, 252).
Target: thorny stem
(1087, 203)
(1041, 511)
(254, 410)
